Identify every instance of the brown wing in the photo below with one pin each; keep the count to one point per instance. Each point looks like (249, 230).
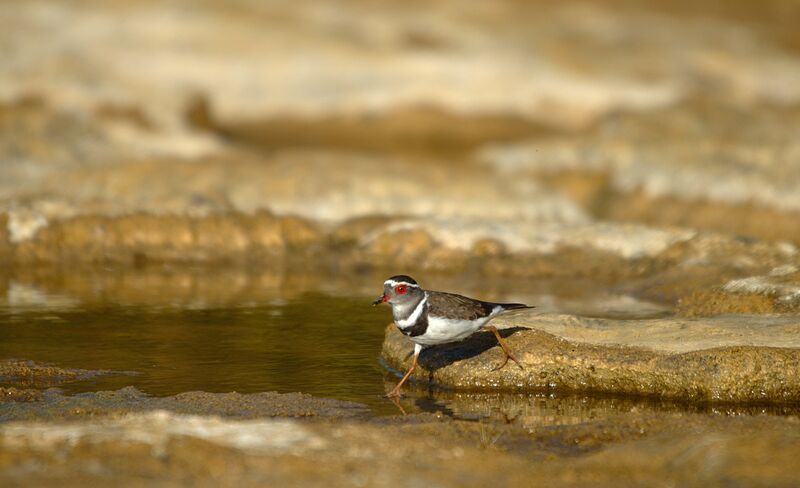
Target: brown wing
(442, 304)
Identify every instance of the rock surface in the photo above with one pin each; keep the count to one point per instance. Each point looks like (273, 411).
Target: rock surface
(30, 373)
(728, 359)
(53, 405)
(172, 448)
(698, 165)
(560, 63)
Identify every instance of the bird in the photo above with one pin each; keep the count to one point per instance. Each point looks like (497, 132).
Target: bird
(433, 317)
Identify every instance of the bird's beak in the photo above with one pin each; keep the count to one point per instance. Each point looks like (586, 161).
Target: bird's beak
(380, 300)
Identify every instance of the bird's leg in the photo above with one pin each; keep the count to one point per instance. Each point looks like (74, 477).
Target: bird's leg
(507, 353)
(395, 393)
(396, 401)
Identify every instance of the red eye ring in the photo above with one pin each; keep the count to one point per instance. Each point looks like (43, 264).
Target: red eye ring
(400, 289)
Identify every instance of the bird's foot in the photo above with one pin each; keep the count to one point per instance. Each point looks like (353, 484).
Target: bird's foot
(505, 361)
(394, 394)
(503, 346)
(396, 401)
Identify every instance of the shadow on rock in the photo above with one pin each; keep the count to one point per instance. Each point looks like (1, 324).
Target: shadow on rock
(437, 357)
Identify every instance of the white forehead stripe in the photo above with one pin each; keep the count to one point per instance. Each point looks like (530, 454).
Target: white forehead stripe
(394, 283)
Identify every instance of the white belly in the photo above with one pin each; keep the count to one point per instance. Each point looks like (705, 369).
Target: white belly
(441, 331)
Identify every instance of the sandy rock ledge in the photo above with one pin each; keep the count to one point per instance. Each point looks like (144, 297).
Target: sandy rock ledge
(728, 359)
(171, 449)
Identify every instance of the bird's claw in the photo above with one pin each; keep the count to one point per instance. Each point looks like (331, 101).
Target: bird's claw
(396, 401)
(505, 361)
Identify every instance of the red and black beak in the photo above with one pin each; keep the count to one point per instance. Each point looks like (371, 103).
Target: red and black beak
(381, 299)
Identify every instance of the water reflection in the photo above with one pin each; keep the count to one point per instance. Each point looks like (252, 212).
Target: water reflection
(221, 330)
(199, 287)
(314, 343)
(530, 410)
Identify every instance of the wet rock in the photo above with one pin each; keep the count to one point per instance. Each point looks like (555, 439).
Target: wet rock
(176, 448)
(739, 358)
(644, 448)
(154, 446)
(261, 404)
(54, 405)
(681, 451)
(532, 411)
(29, 373)
(19, 395)
(157, 427)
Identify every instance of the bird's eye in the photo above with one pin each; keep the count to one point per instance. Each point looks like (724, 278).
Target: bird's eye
(400, 289)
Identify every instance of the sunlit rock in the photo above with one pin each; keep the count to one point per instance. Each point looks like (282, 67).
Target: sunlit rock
(737, 358)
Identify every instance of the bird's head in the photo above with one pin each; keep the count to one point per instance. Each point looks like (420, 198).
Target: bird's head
(400, 290)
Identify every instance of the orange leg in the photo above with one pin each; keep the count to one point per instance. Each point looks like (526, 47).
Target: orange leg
(396, 401)
(395, 393)
(504, 347)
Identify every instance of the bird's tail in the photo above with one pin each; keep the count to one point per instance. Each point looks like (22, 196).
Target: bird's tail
(514, 306)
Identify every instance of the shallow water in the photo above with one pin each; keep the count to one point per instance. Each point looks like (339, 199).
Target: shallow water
(320, 339)
(314, 344)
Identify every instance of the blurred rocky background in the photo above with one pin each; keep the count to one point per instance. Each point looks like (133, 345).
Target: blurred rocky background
(206, 153)
(531, 139)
